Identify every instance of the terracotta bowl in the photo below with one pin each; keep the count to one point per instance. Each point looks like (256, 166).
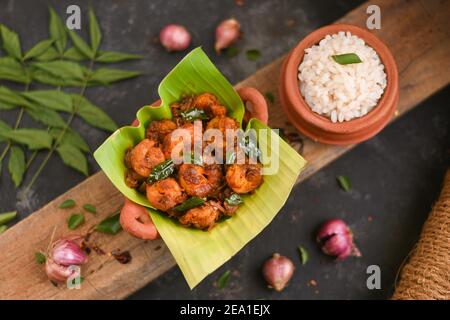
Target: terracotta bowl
(320, 128)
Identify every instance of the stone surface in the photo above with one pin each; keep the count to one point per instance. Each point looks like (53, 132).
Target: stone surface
(396, 176)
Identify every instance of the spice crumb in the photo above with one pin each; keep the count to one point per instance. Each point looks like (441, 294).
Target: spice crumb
(369, 218)
(122, 257)
(239, 3)
(396, 113)
(312, 282)
(290, 23)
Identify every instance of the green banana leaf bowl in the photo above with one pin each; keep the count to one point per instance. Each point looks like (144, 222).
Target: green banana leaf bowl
(198, 253)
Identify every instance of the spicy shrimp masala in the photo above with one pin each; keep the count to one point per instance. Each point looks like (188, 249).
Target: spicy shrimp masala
(197, 192)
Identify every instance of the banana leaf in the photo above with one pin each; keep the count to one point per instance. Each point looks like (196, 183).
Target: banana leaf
(198, 253)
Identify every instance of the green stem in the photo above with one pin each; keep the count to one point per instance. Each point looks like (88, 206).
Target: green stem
(16, 126)
(61, 135)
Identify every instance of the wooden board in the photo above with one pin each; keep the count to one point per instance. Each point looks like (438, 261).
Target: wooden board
(416, 32)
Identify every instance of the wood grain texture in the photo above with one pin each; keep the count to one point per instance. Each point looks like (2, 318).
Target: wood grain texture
(417, 32)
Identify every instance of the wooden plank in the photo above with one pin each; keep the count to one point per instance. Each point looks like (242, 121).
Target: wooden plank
(416, 32)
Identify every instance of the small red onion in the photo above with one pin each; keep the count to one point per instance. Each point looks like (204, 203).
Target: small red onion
(336, 239)
(227, 32)
(174, 37)
(64, 253)
(277, 271)
(67, 252)
(57, 272)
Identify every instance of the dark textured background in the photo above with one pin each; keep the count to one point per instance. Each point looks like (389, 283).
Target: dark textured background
(396, 175)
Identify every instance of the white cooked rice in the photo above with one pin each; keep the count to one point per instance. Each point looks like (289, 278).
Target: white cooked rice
(341, 92)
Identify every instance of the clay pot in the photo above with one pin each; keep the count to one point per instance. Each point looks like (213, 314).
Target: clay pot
(320, 128)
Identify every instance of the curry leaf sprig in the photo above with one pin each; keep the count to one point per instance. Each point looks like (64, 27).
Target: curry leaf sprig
(53, 63)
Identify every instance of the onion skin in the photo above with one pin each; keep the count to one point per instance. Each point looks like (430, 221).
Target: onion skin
(336, 239)
(227, 33)
(66, 253)
(57, 272)
(277, 271)
(174, 37)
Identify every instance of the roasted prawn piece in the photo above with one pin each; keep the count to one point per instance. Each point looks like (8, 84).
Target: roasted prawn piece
(244, 178)
(223, 124)
(145, 156)
(173, 145)
(165, 194)
(157, 130)
(210, 104)
(132, 179)
(200, 181)
(203, 217)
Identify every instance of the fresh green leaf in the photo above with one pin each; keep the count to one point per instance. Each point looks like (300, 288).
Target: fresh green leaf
(81, 45)
(224, 279)
(344, 183)
(57, 31)
(74, 54)
(7, 217)
(12, 97)
(92, 114)
(112, 56)
(11, 42)
(270, 97)
(69, 203)
(73, 157)
(61, 69)
(304, 256)
(109, 75)
(94, 31)
(53, 99)
(232, 52)
(70, 137)
(34, 139)
(190, 203)
(52, 80)
(253, 54)
(90, 208)
(38, 49)
(3, 228)
(75, 220)
(234, 200)
(7, 106)
(40, 257)
(45, 116)
(161, 171)
(110, 225)
(49, 55)
(346, 58)
(12, 70)
(193, 114)
(16, 165)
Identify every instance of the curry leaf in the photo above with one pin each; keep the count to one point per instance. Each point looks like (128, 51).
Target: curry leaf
(344, 183)
(7, 106)
(69, 203)
(94, 31)
(81, 45)
(40, 257)
(109, 75)
(34, 139)
(234, 200)
(253, 54)
(45, 116)
(90, 208)
(61, 69)
(12, 70)
(74, 54)
(161, 171)
(70, 137)
(38, 49)
(11, 42)
(53, 99)
(190, 203)
(346, 58)
(12, 97)
(112, 56)
(304, 256)
(47, 78)
(110, 225)
(92, 114)
(49, 55)
(193, 114)
(57, 31)
(16, 165)
(3, 228)
(75, 220)
(73, 157)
